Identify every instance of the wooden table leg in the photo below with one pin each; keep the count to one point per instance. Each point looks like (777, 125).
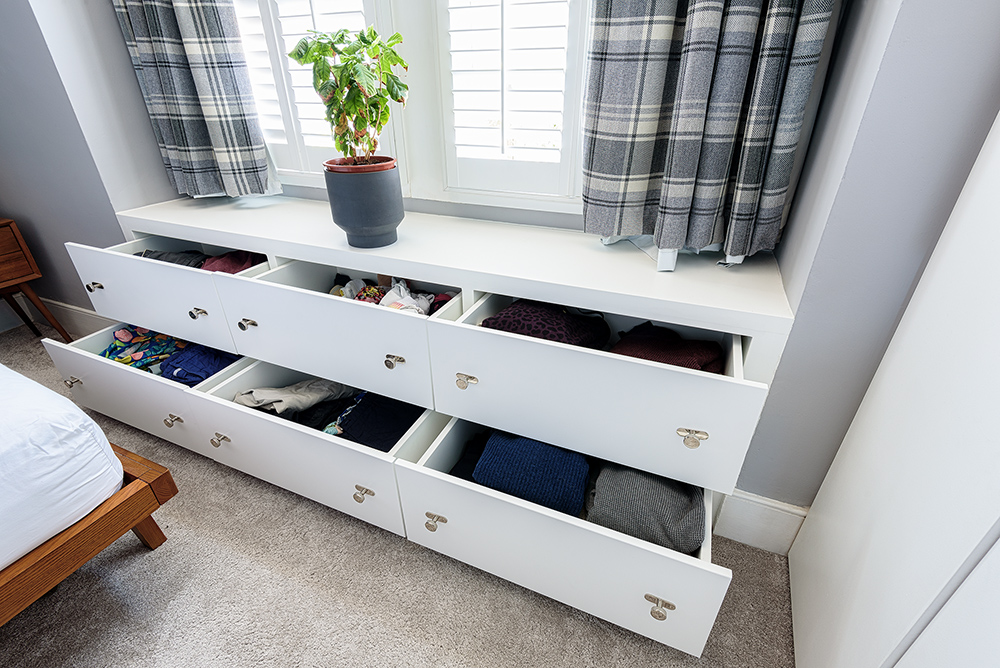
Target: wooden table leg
(9, 298)
(33, 298)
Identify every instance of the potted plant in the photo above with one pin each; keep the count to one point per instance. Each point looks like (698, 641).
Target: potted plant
(353, 76)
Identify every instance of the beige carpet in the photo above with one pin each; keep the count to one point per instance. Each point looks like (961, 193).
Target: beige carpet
(252, 575)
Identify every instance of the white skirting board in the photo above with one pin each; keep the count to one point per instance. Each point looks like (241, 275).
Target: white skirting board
(759, 521)
(79, 322)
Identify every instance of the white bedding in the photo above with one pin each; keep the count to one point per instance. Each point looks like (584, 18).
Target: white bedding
(56, 465)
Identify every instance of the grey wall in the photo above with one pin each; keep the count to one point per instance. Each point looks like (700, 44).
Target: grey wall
(876, 193)
(49, 183)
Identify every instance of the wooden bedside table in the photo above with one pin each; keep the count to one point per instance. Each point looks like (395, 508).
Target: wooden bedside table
(17, 267)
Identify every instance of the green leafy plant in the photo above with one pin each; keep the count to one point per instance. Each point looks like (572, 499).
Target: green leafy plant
(353, 76)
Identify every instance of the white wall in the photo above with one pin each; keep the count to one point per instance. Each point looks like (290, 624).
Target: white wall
(909, 104)
(912, 501)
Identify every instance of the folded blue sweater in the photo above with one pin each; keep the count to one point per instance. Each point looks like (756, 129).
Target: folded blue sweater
(533, 471)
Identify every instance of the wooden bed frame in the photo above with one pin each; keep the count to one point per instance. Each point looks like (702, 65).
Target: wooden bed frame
(146, 487)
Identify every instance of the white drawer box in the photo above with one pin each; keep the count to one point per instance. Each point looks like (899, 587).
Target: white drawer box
(146, 401)
(286, 316)
(350, 477)
(165, 297)
(603, 572)
(615, 407)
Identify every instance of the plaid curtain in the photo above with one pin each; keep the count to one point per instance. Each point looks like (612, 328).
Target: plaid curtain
(193, 75)
(693, 115)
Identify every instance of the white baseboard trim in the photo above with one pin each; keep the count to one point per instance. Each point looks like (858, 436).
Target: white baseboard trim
(759, 522)
(79, 322)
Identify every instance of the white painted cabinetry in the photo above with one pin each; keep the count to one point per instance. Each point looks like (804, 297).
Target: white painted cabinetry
(281, 319)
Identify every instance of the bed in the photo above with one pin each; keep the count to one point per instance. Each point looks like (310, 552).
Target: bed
(66, 493)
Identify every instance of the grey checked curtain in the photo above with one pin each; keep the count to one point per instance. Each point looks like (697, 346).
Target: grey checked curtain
(693, 115)
(193, 75)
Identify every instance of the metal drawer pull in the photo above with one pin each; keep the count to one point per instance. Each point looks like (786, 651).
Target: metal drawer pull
(245, 323)
(660, 607)
(171, 419)
(196, 312)
(93, 286)
(73, 380)
(692, 437)
(362, 492)
(219, 439)
(463, 380)
(432, 521)
(392, 360)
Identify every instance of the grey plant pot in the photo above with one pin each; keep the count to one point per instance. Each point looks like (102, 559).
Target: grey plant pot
(368, 206)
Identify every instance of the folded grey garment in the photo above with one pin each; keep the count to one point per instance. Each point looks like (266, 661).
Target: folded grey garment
(295, 397)
(649, 507)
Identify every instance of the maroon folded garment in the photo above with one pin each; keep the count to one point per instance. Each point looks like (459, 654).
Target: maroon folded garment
(660, 344)
(550, 322)
(233, 262)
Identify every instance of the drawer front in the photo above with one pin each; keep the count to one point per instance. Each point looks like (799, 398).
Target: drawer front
(303, 460)
(588, 567)
(331, 337)
(610, 406)
(154, 294)
(132, 396)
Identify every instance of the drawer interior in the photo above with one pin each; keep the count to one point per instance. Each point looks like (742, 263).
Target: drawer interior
(732, 344)
(258, 374)
(445, 451)
(98, 342)
(321, 278)
(158, 243)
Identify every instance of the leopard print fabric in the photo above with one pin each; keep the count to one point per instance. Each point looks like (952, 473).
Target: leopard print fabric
(550, 322)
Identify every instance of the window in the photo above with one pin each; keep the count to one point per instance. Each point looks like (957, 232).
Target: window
(495, 94)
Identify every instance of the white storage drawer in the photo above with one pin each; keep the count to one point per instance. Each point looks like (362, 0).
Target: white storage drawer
(682, 423)
(606, 573)
(146, 401)
(288, 317)
(352, 478)
(166, 297)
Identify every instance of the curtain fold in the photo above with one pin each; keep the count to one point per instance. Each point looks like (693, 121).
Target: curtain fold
(693, 117)
(189, 62)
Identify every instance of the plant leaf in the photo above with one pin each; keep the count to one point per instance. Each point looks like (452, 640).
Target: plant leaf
(327, 90)
(365, 79)
(300, 52)
(398, 90)
(394, 40)
(321, 74)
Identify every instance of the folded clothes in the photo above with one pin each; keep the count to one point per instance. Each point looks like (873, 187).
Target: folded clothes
(649, 507)
(660, 344)
(233, 262)
(188, 258)
(376, 421)
(195, 363)
(550, 322)
(141, 348)
(295, 397)
(321, 414)
(533, 471)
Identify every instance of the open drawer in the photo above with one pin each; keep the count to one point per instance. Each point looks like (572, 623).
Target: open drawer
(288, 317)
(670, 597)
(146, 401)
(352, 478)
(166, 297)
(686, 424)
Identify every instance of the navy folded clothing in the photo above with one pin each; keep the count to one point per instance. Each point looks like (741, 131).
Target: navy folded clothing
(533, 471)
(466, 464)
(195, 363)
(649, 507)
(378, 422)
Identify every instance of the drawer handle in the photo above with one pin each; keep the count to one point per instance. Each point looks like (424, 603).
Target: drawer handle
(73, 380)
(463, 380)
(392, 360)
(219, 439)
(660, 607)
(692, 437)
(196, 312)
(171, 419)
(93, 286)
(245, 323)
(362, 492)
(432, 521)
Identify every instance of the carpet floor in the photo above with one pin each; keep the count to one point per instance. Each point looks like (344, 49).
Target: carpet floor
(253, 575)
